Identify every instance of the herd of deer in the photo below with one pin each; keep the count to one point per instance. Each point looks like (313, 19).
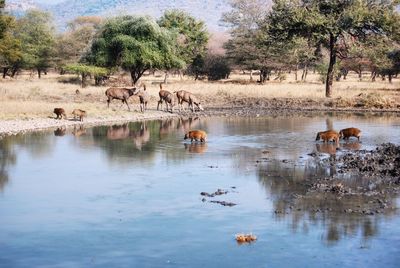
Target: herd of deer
(124, 93)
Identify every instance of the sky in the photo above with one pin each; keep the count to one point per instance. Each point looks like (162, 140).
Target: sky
(48, 1)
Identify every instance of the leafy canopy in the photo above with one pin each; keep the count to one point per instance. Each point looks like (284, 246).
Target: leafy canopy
(329, 22)
(36, 34)
(136, 44)
(192, 34)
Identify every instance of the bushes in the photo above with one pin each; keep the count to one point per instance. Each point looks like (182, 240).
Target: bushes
(214, 67)
(99, 73)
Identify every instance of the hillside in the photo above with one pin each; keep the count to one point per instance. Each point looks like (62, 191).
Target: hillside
(209, 11)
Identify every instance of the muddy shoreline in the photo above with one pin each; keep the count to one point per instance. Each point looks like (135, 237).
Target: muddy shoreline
(365, 182)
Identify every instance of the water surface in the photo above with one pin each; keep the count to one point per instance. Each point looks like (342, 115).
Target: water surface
(129, 196)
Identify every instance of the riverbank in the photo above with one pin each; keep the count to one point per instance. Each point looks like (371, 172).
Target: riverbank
(245, 108)
(27, 104)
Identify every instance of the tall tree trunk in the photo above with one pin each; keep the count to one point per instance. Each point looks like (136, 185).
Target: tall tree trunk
(332, 62)
(165, 77)
(251, 75)
(390, 78)
(39, 72)
(136, 74)
(373, 76)
(295, 72)
(304, 74)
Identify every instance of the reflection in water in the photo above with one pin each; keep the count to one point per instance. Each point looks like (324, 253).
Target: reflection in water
(123, 132)
(196, 147)
(327, 148)
(186, 124)
(79, 131)
(7, 158)
(60, 131)
(141, 137)
(156, 187)
(351, 145)
(118, 132)
(166, 127)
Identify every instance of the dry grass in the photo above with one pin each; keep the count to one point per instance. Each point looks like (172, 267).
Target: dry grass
(27, 97)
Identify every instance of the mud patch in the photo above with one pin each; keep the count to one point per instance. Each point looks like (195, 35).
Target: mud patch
(366, 182)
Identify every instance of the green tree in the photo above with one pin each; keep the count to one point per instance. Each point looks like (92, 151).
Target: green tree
(36, 34)
(86, 71)
(3, 23)
(10, 53)
(327, 22)
(136, 44)
(192, 34)
(10, 47)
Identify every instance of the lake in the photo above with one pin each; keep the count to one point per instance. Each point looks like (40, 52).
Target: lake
(130, 196)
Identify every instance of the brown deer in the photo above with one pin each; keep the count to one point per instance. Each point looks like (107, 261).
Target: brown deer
(167, 97)
(144, 98)
(119, 93)
(185, 96)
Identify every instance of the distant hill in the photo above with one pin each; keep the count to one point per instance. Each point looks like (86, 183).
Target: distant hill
(209, 11)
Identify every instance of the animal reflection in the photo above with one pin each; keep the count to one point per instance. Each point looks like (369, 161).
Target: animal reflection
(352, 146)
(60, 131)
(77, 132)
(166, 127)
(118, 132)
(326, 148)
(141, 137)
(198, 148)
(187, 124)
(122, 132)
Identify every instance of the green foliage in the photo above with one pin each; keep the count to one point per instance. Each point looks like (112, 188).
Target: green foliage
(87, 70)
(217, 67)
(214, 67)
(136, 44)
(252, 47)
(192, 34)
(5, 20)
(10, 51)
(197, 68)
(328, 22)
(36, 34)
